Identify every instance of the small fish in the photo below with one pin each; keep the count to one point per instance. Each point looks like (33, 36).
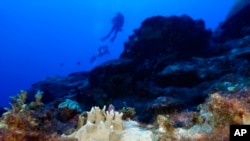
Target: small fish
(78, 63)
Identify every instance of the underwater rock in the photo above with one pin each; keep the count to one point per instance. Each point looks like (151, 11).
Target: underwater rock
(237, 6)
(194, 72)
(235, 27)
(59, 87)
(167, 36)
(2, 110)
(115, 77)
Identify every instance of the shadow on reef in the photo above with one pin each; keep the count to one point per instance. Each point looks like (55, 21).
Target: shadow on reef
(168, 65)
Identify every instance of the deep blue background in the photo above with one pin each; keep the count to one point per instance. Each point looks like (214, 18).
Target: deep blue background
(36, 36)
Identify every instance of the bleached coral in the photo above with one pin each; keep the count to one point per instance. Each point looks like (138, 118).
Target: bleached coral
(132, 132)
(105, 125)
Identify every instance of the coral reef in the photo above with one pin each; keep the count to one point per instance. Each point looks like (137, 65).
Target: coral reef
(22, 122)
(210, 123)
(168, 65)
(181, 87)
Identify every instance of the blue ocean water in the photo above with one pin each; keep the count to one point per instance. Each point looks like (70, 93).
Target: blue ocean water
(44, 38)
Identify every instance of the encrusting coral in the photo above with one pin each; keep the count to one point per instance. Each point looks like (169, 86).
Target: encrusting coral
(70, 104)
(68, 110)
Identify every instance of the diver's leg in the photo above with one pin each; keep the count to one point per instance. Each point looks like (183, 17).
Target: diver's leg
(114, 36)
(107, 36)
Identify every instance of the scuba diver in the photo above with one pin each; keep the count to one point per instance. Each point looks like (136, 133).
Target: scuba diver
(102, 50)
(117, 22)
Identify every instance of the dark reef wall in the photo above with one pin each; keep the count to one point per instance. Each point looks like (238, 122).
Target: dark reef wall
(168, 65)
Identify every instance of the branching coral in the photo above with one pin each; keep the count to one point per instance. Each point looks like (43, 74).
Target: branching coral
(18, 102)
(100, 125)
(105, 125)
(37, 104)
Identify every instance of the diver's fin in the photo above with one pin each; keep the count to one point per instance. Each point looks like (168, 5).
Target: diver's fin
(93, 59)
